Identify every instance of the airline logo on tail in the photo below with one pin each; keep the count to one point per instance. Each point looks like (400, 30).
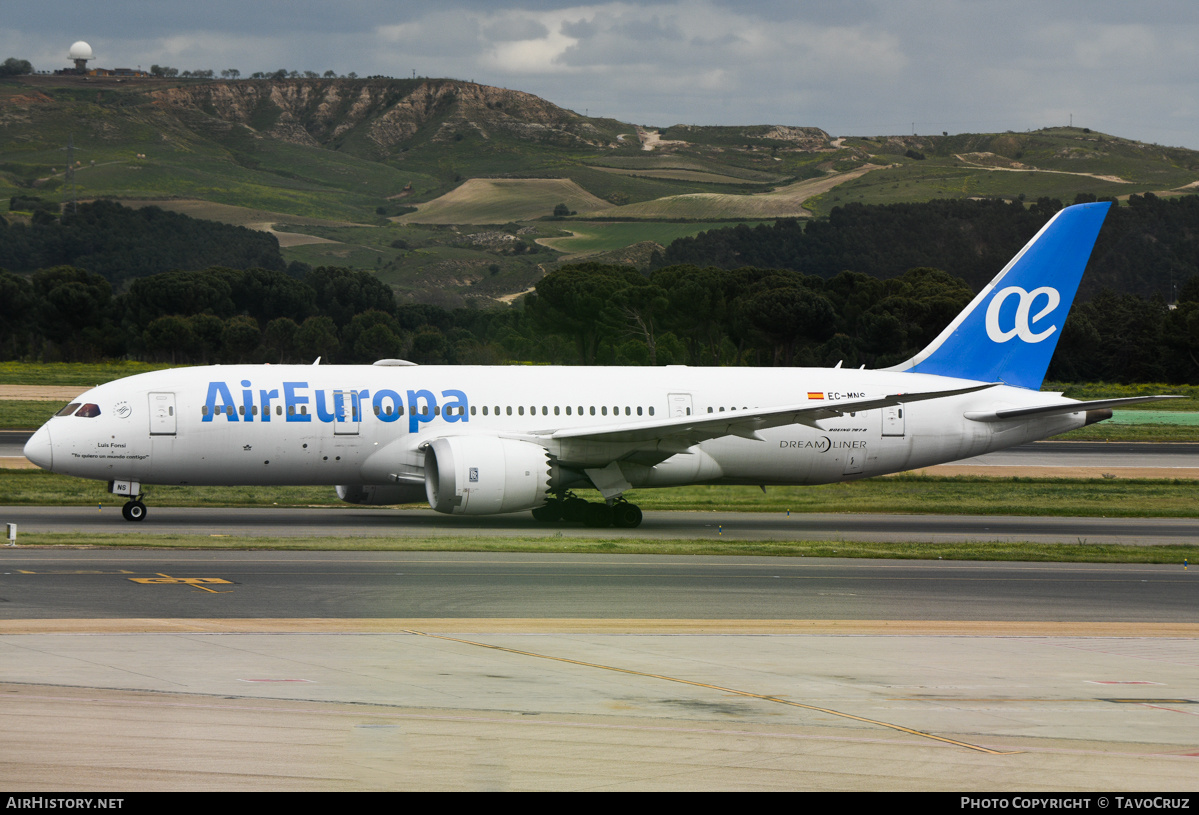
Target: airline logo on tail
(1021, 324)
(1028, 301)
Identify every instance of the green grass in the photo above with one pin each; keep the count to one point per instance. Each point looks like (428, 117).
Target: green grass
(905, 494)
(82, 374)
(1113, 390)
(19, 414)
(1109, 431)
(962, 495)
(651, 163)
(946, 178)
(1012, 552)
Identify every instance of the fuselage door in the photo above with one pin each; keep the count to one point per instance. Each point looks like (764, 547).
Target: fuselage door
(347, 413)
(162, 414)
(893, 420)
(680, 404)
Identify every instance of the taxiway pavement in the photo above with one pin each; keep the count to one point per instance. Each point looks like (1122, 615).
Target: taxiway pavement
(274, 670)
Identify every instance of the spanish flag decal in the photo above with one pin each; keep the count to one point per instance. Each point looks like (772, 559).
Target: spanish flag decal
(815, 394)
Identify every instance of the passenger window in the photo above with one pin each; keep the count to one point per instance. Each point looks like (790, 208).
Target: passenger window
(228, 410)
(509, 410)
(568, 410)
(545, 411)
(651, 410)
(68, 410)
(521, 410)
(638, 410)
(203, 410)
(279, 410)
(604, 410)
(556, 409)
(593, 410)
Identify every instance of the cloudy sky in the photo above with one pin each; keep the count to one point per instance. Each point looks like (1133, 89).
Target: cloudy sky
(852, 67)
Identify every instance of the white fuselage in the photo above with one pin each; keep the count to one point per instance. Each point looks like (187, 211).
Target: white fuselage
(264, 424)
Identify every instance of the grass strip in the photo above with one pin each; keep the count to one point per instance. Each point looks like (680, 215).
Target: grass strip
(1012, 552)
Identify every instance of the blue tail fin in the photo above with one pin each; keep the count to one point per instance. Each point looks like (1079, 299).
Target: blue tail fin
(1009, 331)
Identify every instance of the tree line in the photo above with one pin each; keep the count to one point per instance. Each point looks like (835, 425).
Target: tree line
(580, 314)
(1150, 246)
(120, 243)
(752, 316)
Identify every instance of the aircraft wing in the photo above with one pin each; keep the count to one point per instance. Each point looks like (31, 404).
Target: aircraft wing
(1060, 407)
(688, 430)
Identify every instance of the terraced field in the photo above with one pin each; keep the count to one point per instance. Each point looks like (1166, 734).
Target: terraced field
(784, 202)
(677, 174)
(502, 200)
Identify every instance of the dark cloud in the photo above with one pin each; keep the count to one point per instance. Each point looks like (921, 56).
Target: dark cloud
(515, 28)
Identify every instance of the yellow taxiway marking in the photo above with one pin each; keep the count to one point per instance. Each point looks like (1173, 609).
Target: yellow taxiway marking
(748, 694)
(73, 571)
(189, 581)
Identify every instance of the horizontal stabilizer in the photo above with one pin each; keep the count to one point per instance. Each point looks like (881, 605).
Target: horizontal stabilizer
(1059, 408)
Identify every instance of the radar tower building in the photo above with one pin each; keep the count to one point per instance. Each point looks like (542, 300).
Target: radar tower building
(80, 52)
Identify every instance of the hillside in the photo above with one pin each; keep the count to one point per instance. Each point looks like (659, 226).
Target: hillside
(401, 176)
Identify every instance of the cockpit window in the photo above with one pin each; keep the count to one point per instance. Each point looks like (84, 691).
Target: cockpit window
(68, 410)
(89, 411)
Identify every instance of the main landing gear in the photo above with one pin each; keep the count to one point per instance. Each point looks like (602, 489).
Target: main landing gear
(568, 507)
(134, 510)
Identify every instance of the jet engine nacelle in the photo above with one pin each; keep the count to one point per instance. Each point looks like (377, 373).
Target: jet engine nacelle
(381, 494)
(483, 475)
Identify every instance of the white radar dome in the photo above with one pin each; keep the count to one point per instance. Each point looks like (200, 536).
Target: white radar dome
(80, 50)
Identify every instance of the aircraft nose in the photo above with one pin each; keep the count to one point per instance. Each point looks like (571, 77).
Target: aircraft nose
(39, 450)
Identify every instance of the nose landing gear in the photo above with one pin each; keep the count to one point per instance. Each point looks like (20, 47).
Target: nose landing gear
(134, 509)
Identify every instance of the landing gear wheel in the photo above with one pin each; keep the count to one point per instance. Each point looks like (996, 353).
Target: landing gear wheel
(574, 509)
(598, 516)
(134, 511)
(626, 515)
